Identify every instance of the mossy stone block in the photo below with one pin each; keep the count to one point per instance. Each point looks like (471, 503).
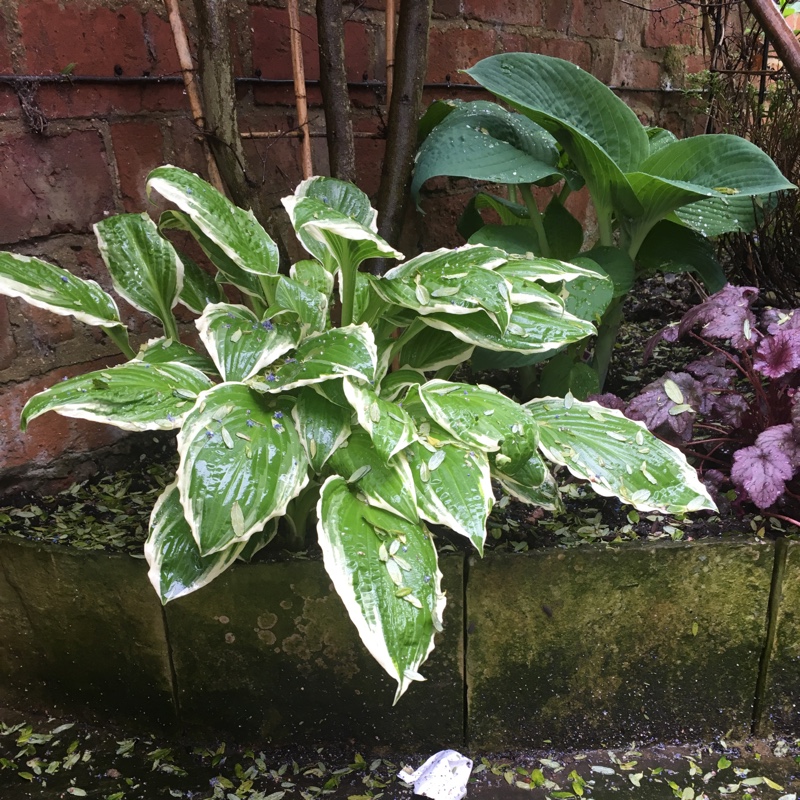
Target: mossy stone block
(83, 633)
(267, 653)
(603, 646)
(782, 695)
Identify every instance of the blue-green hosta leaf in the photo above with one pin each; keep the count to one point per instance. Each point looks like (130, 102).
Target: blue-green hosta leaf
(658, 138)
(389, 426)
(164, 349)
(199, 288)
(601, 135)
(452, 282)
(136, 396)
(396, 625)
(386, 485)
(176, 565)
(241, 463)
(611, 261)
(232, 229)
(509, 212)
(531, 484)
(433, 349)
(719, 215)
(484, 141)
(563, 374)
(588, 298)
(338, 235)
(46, 286)
(325, 356)
(323, 426)
(239, 343)
(313, 275)
(229, 271)
(479, 416)
(519, 239)
(143, 265)
(534, 328)
(454, 488)
(618, 456)
(310, 305)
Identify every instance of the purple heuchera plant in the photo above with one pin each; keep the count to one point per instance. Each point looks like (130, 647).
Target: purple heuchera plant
(737, 410)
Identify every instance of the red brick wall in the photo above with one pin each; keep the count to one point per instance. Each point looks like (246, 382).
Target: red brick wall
(101, 140)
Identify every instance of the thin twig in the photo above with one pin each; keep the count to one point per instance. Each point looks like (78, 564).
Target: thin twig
(391, 21)
(298, 72)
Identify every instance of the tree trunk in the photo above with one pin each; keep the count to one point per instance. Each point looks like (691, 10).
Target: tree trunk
(219, 100)
(783, 39)
(335, 96)
(411, 64)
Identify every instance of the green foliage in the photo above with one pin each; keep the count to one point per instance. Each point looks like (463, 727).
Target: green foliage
(656, 198)
(287, 410)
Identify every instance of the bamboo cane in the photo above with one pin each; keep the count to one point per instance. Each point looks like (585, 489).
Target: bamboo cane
(192, 92)
(298, 72)
(391, 21)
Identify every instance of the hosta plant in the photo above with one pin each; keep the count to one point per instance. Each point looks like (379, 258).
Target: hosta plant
(737, 409)
(327, 388)
(656, 198)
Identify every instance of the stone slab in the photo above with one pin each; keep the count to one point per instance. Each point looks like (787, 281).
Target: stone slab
(266, 653)
(592, 647)
(82, 633)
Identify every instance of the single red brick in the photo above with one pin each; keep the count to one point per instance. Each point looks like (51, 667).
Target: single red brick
(52, 184)
(271, 46)
(509, 12)
(579, 53)
(9, 104)
(452, 50)
(184, 148)
(8, 347)
(510, 42)
(671, 25)
(556, 15)
(138, 149)
(161, 52)
(5, 49)
(438, 227)
(369, 165)
(96, 40)
(633, 69)
(598, 19)
(359, 50)
(448, 8)
(48, 329)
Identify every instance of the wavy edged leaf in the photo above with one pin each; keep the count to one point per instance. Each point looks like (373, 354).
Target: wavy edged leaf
(601, 135)
(388, 425)
(136, 396)
(397, 630)
(323, 426)
(176, 566)
(324, 356)
(310, 306)
(532, 483)
(143, 265)
(433, 350)
(199, 288)
(479, 416)
(618, 456)
(454, 488)
(399, 381)
(484, 141)
(313, 275)
(235, 231)
(46, 286)
(239, 343)
(165, 349)
(387, 485)
(241, 463)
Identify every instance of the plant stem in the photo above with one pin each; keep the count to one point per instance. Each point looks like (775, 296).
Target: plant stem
(119, 335)
(605, 228)
(536, 219)
(347, 287)
(606, 337)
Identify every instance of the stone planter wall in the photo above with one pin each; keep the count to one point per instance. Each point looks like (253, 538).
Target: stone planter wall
(576, 648)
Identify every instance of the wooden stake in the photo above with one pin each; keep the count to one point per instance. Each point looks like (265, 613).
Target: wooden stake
(391, 20)
(192, 92)
(299, 75)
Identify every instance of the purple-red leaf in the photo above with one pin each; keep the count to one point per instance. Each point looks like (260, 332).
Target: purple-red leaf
(761, 472)
(657, 409)
(725, 315)
(778, 354)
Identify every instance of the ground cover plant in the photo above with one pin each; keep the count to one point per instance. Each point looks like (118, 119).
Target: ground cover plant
(293, 410)
(656, 198)
(735, 410)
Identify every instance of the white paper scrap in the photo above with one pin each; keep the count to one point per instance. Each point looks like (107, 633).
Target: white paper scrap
(443, 776)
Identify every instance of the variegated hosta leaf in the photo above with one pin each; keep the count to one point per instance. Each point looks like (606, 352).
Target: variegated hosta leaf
(532, 483)
(176, 565)
(313, 275)
(143, 265)
(46, 286)
(235, 231)
(259, 540)
(239, 343)
(342, 351)
(310, 305)
(384, 568)
(429, 430)
(389, 426)
(323, 426)
(459, 281)
(136, 396)
(395, 383)
(520, 271)
(199, 288)
(534, 328)
(389, 486)
(229, 271)
(454, 488)
(241, 463)
(335, 223)
(165, 349)
(618, 456)
(479, 416)
(434, 349)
